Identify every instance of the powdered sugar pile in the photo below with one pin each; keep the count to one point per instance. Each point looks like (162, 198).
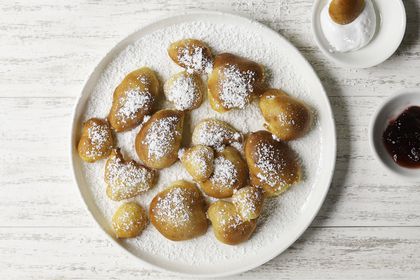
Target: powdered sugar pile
(134, 101)
(161, 136)
(224, 174)
(196, 61)
(99, 135)
(184, 92)
(280, 214)
(236, 87)
(214, 134)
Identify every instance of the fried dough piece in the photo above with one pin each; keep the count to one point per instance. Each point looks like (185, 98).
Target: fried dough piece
(133, 99)
(179, 211)
(96, 141)
(228, 225)
(230, 173)
(126, 178)
(272, 164)
(129, 220)
(286, 117)
(234, 82)
(158, 141)
(191, 54)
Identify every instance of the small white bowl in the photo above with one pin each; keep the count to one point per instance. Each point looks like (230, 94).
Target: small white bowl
(390, 29)
(386, 112)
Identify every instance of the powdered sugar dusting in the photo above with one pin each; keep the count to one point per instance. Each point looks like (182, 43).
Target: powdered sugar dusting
(236, 87)
(225, 174)
(174, 208)
(215, 134)
(280, 214)
(184, 92)
(195, 61)
(99, 135)
(246, 201)
(128, 220)
(134, 101)
(200, 158)
(127, 179)
(229, 221)
(161, 136)
(271, 165)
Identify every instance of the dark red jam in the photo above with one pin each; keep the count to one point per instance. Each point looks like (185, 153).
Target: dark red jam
(402, 138)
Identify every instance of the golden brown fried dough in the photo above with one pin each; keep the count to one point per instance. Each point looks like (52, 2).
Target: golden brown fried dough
(198, 161)
(228, 225)
(345, 11)
(191, 54)
(133, 98)
(126, 179)
(96, 141)
(234, 82)
(129, 220)
(185, 90)
(272, 164)
(215, 133)
(286, 117)
(159, 139)
(179, 211)
(248, 202)
(230, 173)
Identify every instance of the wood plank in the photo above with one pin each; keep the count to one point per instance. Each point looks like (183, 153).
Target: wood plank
(328, 253)
(370, 220)
(37, 188)
(49, 47)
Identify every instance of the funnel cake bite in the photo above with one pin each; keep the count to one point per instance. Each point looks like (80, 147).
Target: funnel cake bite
(179, 211)
(215, 133)
(272, 164)
(185, 90)
(230, 173)
(96, 141)
(158, 141)
(198, 161)
(248, 202)
(234, 82)
(129, 220)
(228, 225)
(126, 179)
(286, 117)
(133, 98)
(191, 54)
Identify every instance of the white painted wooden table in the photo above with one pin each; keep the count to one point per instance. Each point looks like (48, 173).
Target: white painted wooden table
(368, 228)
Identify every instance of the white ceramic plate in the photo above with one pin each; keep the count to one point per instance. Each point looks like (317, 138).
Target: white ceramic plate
(391, 23)
(390, 110)
(264, 245)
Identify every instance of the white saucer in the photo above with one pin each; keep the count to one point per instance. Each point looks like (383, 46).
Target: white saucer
(391, 23)
(389, 110)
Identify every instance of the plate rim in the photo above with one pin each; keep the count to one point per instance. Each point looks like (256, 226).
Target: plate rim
(115, 49)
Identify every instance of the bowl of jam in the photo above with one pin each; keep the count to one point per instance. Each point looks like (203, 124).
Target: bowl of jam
(395, 134)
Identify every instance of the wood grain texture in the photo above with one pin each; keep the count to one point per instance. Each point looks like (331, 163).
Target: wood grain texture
(368, 228)
(329, 253)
